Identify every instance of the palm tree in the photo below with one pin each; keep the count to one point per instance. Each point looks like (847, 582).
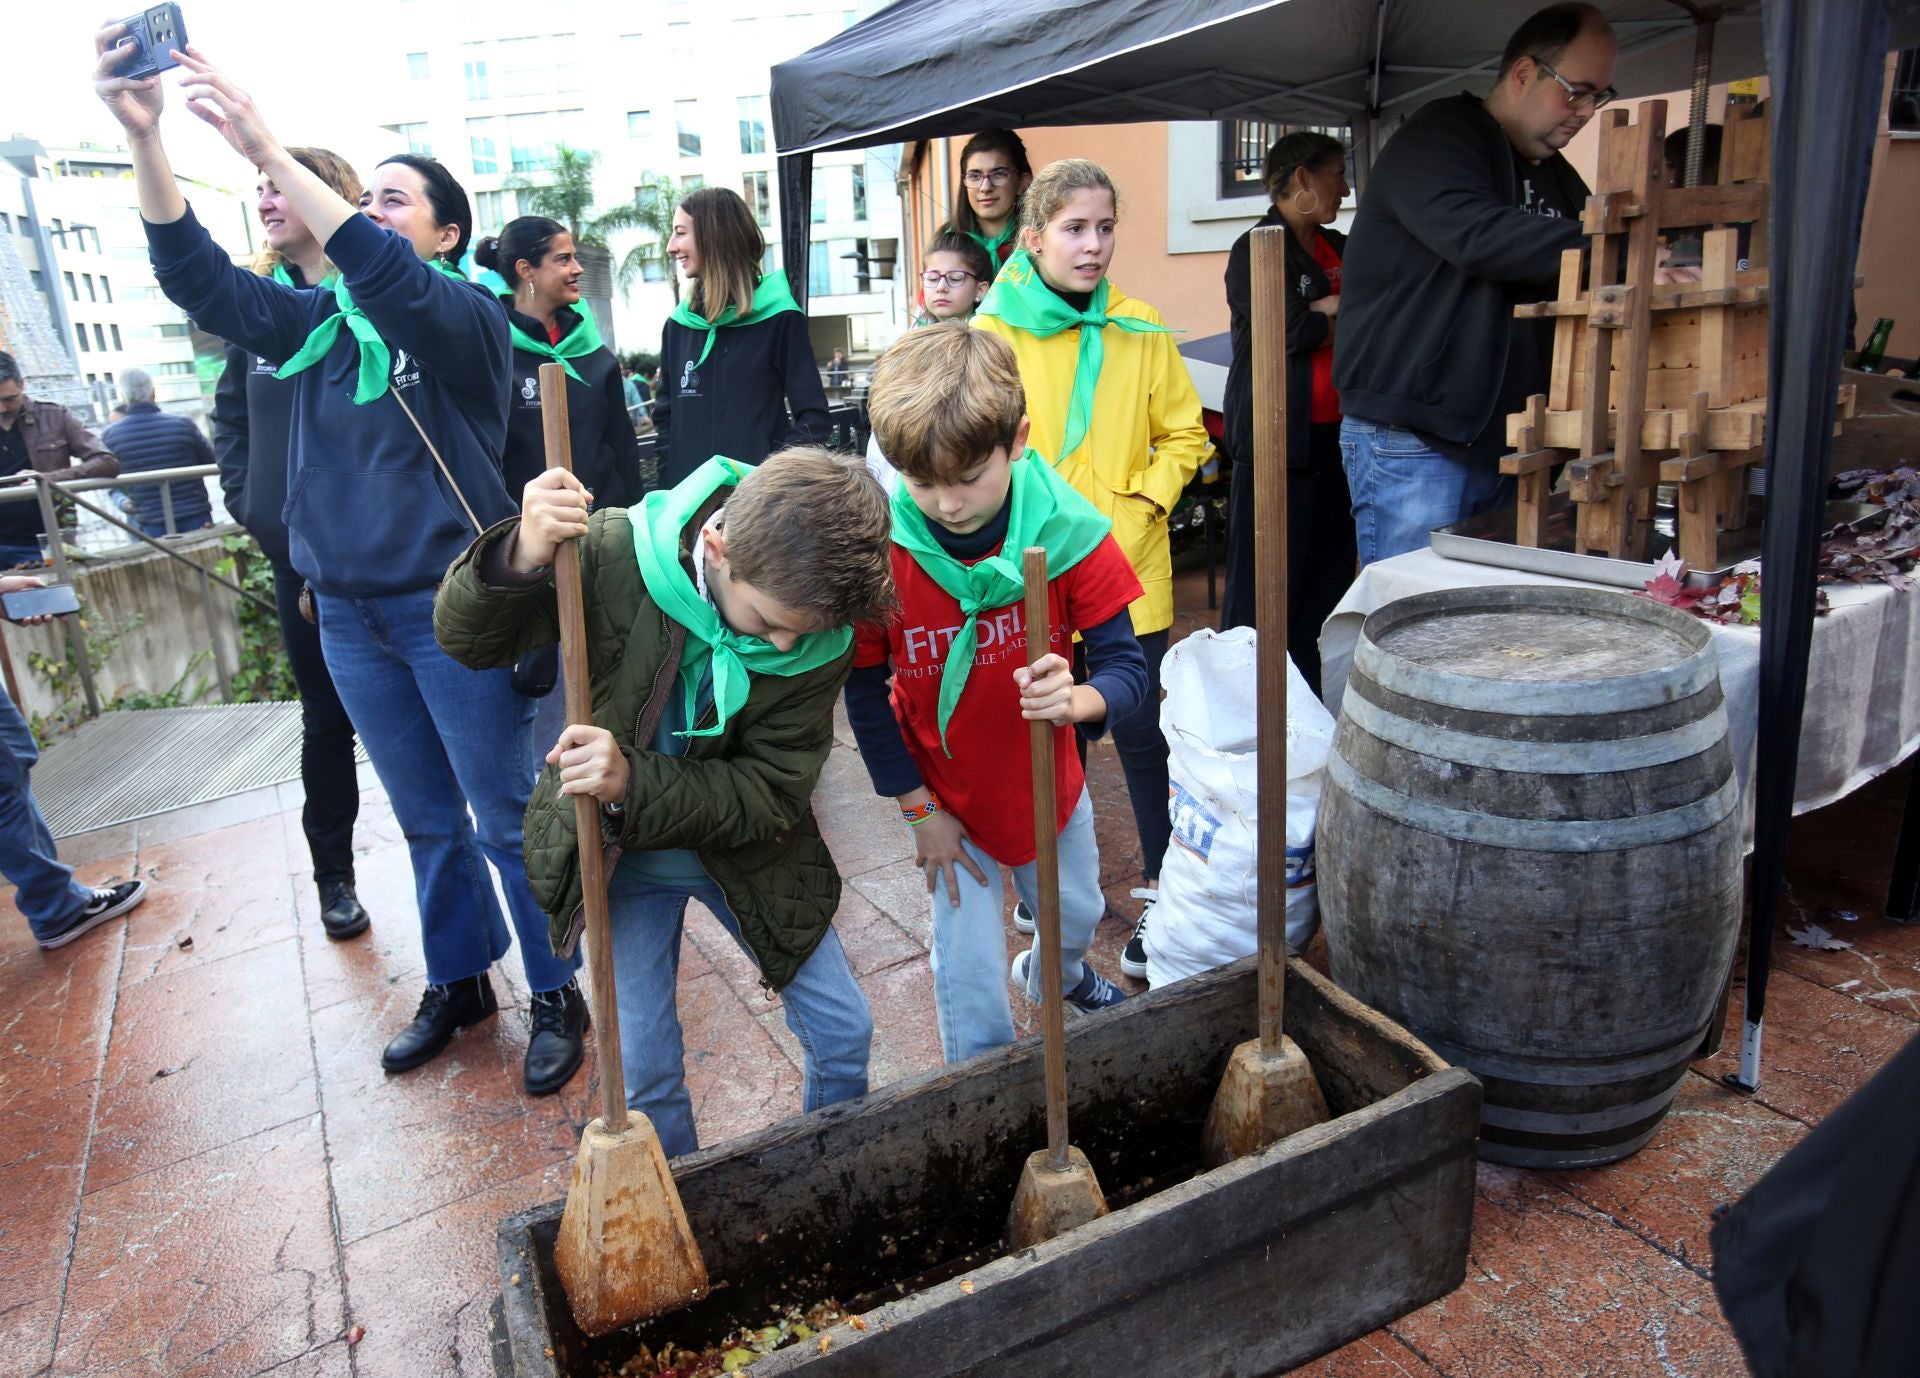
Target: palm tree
(567, 196)
(651, 213)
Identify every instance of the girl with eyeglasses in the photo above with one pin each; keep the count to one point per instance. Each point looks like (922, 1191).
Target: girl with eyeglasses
(1114, 411)
(737, 376)
(954, 276)
(995, 174)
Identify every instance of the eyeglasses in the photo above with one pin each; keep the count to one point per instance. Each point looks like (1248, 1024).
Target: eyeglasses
(931, 279)
(999, 176)
(1577, 99)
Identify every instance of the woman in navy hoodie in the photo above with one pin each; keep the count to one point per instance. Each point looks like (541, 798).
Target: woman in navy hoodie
(399, 419)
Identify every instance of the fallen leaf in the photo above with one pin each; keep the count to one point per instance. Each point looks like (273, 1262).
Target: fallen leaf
(857, 1322)
(168, 1072)
(514, 1281)
(356, 1334)
(966, 1285)
(826, 1343)
(1817, 938)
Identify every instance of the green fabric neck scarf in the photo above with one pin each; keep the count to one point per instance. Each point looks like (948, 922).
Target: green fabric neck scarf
(770, 298)
(285, 279)
(1045, 511)
(1021, 299)
(376, 360)
(992, 246)
(657, 525)
(583, 339)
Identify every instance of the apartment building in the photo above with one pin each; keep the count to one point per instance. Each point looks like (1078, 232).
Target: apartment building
(671, 89)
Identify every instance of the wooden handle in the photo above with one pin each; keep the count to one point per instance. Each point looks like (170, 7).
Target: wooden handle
(1269, 248)
(586, 810)
(1046, 870)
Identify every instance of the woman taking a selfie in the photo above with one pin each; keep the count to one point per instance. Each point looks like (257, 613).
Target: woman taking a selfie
(734, 357)
(399, 416)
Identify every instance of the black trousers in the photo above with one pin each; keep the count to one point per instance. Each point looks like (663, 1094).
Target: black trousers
(1142, 749)
(326, 739)
(1321, 550)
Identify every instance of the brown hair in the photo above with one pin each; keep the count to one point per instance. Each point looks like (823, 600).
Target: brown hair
(944, 398)
(337, 173)
(1055, 182)
(731, 247)
(1003, 141)
(1304, 148)
(962, 246)
(810, 528)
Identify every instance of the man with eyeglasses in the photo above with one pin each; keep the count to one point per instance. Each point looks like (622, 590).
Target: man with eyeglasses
(1466, 214)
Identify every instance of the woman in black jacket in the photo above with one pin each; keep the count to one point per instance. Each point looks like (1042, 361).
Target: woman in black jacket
(536, 256)
(734, 357)
(1306, 179)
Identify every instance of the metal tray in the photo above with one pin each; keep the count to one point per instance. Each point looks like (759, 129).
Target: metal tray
(1488, 539)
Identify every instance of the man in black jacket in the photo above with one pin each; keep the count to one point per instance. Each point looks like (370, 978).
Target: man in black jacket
(1468, 211)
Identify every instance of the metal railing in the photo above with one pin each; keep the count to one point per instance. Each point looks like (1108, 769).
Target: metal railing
(43, 490)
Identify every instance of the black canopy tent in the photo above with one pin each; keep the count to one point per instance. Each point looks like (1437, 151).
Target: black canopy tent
(923, 69)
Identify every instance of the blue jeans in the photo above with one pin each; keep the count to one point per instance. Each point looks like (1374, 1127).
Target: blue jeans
(825, 1007)
(1403, 488)
(44, 889)
(970, 939)
(444, 738)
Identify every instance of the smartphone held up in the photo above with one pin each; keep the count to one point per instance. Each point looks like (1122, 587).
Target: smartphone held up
(152, 37)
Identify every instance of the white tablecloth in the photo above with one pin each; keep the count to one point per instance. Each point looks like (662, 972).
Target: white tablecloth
(1863, 695)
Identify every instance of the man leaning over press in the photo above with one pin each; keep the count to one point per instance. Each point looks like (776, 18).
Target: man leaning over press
(1467, 213)
(48, 437)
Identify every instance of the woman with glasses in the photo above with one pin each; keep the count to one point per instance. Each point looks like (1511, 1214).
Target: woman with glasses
(737, 376)
(995, 174)
(1465, 216)
(1306, 179)
(399, 369)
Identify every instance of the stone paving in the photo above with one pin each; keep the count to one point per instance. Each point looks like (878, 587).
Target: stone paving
(205, 1172)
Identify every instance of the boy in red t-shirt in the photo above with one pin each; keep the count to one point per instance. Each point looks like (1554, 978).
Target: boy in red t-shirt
(950, 415)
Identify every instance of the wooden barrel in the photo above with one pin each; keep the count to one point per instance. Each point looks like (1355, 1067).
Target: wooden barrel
(1529, 853)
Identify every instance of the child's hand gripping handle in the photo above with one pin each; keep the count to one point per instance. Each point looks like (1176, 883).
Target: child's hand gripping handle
(586, 815)
(1046, 868)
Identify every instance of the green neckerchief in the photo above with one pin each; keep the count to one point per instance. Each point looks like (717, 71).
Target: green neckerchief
(992, 246)
(584, 338)
(770, 298)
(661, 517)
(376, 359)
(1045, 511)
(1021, 299)
(285, 279)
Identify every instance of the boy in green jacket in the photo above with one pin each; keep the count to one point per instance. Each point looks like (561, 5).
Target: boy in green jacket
(724, 633)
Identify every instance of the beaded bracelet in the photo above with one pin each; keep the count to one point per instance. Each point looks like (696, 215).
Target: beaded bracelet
(916, 814)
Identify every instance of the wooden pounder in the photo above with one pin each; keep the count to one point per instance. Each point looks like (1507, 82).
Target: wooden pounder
(625, 1251)
(1269, 1089)
(1057, 1188)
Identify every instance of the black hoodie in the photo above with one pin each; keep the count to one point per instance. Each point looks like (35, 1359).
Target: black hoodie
(1441, 251)
(252, 415)
(606, 453)
(735, 402)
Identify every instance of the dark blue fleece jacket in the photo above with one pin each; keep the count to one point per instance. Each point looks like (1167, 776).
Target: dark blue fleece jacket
(368, 512)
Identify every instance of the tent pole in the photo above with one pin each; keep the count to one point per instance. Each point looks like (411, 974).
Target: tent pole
(1827, 63)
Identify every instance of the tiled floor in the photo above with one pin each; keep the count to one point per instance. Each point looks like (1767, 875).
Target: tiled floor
(205, 1172)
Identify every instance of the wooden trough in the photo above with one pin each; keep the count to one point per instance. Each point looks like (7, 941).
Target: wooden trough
(894, 1205)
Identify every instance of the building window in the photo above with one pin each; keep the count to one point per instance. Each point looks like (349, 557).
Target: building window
(483, 145)
(1243, 152)
(653, 271)
(818, 284)
(475, 73)
(39, 280)
(106, 288)
(647, 198)
(859, 193)
(753, 124)
(530, 142)
(175, 330)
(81, 332)
(116, 337)
(693, 181)
(99, 337)
(87, 279)
(820, 196)
(770, 260)
(639, 124)
(686, 119)
(566, 74)
(522, 69)
(1903, 111)
(73, 288)
(416, 137)
(488, 207)
(753, 186)
(680, 52)
(174, 370)
(416, 66)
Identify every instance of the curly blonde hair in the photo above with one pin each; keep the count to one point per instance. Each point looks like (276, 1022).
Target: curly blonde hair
(1055, 182)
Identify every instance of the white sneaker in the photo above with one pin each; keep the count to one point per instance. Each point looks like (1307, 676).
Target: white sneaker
(1023, 920)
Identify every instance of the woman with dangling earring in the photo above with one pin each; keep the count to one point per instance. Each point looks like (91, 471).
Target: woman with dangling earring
(1306, 176)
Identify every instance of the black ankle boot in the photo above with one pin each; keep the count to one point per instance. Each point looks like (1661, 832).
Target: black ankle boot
(340, 912)
(557, 1040)
(443, 1009)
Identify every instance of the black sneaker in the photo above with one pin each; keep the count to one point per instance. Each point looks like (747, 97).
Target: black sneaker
(1133, 957)
(556, 1042)
(443, 1010)
(340, 912)
(1023, 920)
(105, 904)
(1093, 992)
